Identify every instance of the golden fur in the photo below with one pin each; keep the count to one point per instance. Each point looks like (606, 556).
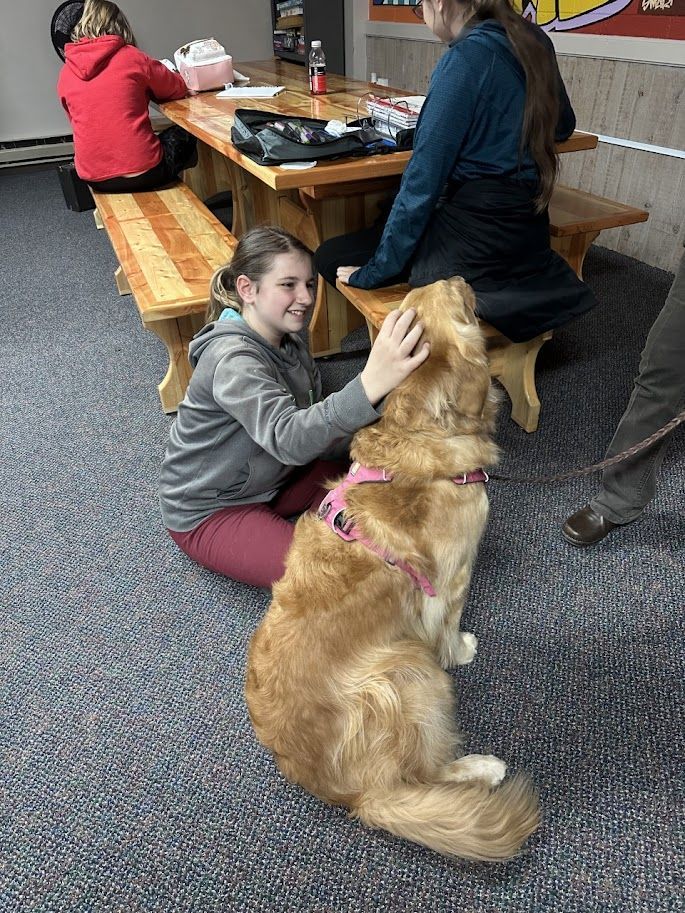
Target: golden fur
(345, 680)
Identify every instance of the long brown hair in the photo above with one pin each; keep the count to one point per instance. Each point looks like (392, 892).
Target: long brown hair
(254, 257)
(541, 112)
(100, 17)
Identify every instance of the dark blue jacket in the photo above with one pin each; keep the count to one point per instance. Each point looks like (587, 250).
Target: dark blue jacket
(469, 128)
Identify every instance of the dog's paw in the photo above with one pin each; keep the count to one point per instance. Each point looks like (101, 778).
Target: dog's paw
(466, 649)
(481, 767)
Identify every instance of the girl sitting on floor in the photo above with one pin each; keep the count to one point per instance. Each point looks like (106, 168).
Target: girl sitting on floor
(253, 439)
(105, 87)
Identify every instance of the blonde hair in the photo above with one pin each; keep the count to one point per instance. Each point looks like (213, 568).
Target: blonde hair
(254, 257)
(100, 17)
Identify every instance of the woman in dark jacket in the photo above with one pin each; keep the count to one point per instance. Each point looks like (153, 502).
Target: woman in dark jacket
(473, 198)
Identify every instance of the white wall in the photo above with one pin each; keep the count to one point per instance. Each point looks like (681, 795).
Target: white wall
(356, 20)
(29, 66)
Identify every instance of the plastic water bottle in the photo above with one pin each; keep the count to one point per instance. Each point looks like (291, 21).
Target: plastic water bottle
(317, 70)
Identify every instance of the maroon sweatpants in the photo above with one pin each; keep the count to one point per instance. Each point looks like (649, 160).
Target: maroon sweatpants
(249, 542)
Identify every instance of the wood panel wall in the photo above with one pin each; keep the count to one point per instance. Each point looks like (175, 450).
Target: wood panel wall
(641, 102)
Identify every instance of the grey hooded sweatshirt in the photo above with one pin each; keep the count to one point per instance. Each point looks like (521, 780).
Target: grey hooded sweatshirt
(252, 413)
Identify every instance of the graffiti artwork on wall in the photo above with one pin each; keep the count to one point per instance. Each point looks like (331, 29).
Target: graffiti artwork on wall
(571, 14)
(565, 15)
(634, 18)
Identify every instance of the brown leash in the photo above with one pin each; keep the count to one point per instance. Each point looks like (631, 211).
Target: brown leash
(587, 470)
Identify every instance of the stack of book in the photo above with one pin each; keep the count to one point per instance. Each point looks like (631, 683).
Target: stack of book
(392, 114)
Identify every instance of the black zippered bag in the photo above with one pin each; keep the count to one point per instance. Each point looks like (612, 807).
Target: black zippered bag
(271, 139)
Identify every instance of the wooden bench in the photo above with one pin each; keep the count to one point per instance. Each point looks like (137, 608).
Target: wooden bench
(512, 363)
(577, 217)
(168, 245)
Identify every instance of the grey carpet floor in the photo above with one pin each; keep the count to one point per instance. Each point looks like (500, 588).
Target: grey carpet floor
(130, 778)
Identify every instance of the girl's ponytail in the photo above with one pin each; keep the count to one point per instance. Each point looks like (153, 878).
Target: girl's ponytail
(222, 293)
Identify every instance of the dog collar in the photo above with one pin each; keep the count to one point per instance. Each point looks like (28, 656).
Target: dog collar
(332, 512)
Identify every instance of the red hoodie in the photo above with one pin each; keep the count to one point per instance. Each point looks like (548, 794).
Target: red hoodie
(105, 87)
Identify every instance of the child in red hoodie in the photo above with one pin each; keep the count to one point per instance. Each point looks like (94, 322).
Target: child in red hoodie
(105, 87)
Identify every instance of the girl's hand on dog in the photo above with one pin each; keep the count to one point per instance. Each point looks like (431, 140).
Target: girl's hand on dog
(394, 355)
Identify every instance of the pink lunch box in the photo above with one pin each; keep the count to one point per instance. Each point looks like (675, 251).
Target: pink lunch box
(213, 75)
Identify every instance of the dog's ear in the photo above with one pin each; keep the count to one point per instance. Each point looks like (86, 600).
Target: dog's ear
(470, 368)
(471, 383)
(466, 298)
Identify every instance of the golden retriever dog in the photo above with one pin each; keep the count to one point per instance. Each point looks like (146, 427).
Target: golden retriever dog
(346, 680)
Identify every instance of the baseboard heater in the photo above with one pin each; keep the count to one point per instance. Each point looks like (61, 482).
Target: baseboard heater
(35, 151)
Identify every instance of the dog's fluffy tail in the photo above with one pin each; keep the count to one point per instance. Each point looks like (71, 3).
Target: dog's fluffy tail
(470, 820)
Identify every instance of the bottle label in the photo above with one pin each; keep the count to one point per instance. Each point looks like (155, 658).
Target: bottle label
(317, 80)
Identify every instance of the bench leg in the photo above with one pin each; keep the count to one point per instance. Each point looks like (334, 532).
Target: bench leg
(176, 333)
(98, 219)
(513, 364)
(574, 248)
(122, 282)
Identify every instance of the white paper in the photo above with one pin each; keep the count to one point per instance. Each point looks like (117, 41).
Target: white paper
(297, 166)
(250, 92)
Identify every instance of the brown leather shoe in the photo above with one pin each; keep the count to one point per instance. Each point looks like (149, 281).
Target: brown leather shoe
(586, 527)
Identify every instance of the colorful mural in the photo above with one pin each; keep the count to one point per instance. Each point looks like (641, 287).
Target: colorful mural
(633, 18)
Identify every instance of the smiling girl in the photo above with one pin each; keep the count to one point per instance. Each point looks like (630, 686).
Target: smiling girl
(253, 441)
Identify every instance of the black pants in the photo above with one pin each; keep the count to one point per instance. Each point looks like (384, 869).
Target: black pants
(489, 232)
(179, 151)
(354, 249)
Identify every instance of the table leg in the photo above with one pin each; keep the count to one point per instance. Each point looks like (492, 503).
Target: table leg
(240, 225)
(261, 203)
(212, 174)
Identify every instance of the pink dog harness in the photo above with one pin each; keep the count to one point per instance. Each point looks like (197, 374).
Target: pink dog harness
(332, 511)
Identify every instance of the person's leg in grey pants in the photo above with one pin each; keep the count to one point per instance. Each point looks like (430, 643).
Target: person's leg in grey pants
(658, 395)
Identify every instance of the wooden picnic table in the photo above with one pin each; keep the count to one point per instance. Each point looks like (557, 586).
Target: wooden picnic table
(329, 199)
